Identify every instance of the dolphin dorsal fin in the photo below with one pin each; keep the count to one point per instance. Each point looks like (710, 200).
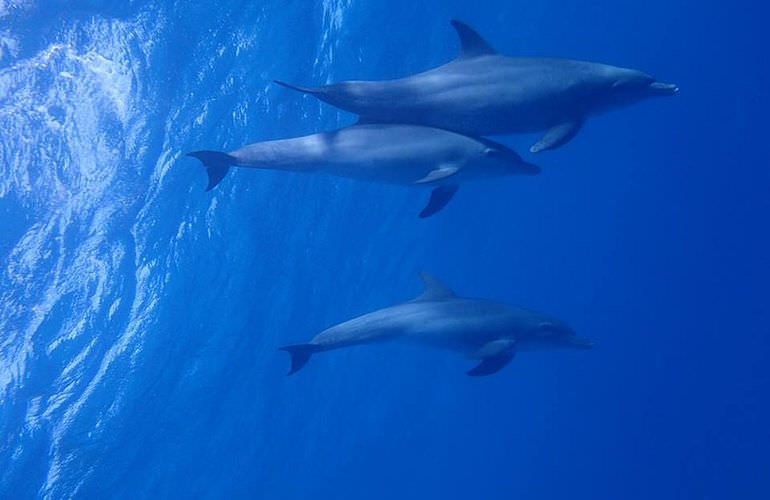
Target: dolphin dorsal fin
(434, 289)
(471, 43)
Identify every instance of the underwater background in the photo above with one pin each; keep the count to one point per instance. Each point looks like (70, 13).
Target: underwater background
(140, 316)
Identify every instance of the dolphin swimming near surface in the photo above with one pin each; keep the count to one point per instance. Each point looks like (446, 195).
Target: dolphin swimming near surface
(409, 155)
(484, 330)
(482, 92)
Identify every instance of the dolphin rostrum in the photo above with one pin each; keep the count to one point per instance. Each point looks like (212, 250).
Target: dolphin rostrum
(395, 154)
(487, 331)
(482, 92)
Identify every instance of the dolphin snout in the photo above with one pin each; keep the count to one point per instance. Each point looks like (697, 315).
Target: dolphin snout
(660, 88)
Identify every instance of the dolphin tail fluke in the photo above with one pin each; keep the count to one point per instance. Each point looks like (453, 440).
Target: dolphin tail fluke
(298, 88)
(217, 164)
(300, 355)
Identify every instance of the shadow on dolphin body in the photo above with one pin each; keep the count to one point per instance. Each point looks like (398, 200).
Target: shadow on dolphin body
(487, 331)
(409, 155)
(482, 92)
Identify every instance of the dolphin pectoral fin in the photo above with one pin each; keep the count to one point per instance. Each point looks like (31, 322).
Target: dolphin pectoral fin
(557, 136)
(494, 356)
(494, 348)
(471, 43)
(300, 355)
(439, 197)
(438, 174)
(492, 365)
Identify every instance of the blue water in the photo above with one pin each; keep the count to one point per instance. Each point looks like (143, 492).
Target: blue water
(140, 315)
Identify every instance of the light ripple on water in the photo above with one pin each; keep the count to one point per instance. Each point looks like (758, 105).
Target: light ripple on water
(74, 156)
(73, 123)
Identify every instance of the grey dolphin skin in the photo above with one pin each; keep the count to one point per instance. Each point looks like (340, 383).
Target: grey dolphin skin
(409, 155)
(487, 331)
(482, 92)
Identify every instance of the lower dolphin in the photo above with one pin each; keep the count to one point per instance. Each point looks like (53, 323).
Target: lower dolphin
(409, 155)
(481, 329)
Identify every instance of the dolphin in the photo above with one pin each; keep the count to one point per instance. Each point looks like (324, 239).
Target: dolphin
(409, 155)
(487, 331)
(482, 92)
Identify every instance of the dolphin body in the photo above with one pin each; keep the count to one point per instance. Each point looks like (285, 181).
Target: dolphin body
(482, 92)
(409, 155)
(488, 331)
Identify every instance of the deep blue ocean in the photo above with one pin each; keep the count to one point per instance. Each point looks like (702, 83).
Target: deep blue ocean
(140, 316)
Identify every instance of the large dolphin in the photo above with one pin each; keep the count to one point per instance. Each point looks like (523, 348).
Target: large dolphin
(397, 154)
(482, 92)
(484, 330)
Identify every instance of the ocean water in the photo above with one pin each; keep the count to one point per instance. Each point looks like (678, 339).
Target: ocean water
(140, 316)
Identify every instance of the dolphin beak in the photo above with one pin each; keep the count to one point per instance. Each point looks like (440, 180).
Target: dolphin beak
(660, 88)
